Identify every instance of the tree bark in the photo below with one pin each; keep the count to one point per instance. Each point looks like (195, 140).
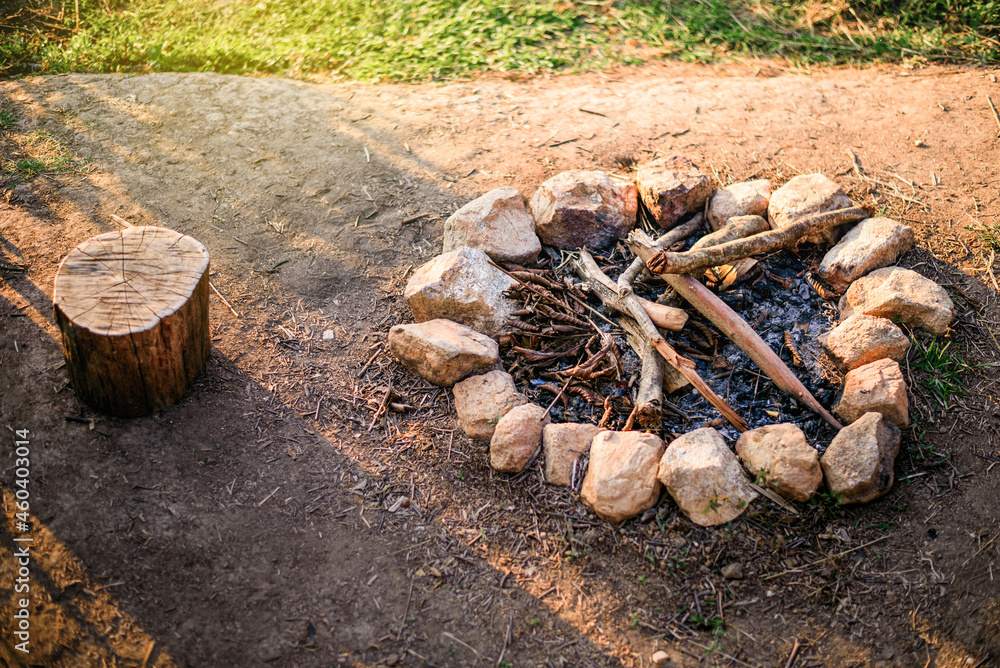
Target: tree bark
(132, 307)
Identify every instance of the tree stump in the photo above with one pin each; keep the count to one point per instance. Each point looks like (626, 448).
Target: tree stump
(132, 307)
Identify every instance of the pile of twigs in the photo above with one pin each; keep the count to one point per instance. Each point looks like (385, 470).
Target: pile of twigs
(556, 344)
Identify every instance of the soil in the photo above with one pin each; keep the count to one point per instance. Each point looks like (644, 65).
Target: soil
(270, 519)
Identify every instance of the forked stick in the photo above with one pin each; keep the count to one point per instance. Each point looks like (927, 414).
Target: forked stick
(586, 266)
(662, 315)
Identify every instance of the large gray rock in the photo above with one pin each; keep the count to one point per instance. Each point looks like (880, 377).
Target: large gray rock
(496, 223)
(461, 286)
(621, 480)
(579, 208)
(564, 444)
(871, 244)
(858, 464)
(672, 187)
(894, 292)
(705, 478)
(804, 196)
(480, 402)
(877, 387)
(517, 438)
(442, 351)
(862, 339)
(749, 198)
(779, 457)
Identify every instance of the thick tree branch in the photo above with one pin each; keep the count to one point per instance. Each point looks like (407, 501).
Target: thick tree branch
(664, 262)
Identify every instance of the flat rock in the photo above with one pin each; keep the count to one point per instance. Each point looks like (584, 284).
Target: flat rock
(480, 402)
(871, 244)
(580, 208)
(442, 351)
(861, 339)
(903, 294)
(496, 223)
(660, 658)
(564, 444)
(461, 286)
(858, 464)
(779, 457)
(672, 187)
(705, 478)
(621, 480)
(804, 196)
(877, 387)
(517, 438)
(749, 198)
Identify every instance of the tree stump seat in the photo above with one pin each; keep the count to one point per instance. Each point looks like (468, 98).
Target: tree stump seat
(132, 308)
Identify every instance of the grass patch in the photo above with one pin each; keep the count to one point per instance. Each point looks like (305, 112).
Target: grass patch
(442, 39)
(7, 120)
(26, 156)
(989, 234)
(943, 367)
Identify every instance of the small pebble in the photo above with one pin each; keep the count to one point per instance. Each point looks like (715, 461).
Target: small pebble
(328, 335)
(920, 143)
(733, 571)
(660, 658)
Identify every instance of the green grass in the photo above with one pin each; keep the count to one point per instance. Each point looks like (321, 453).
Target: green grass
(443, 39)
(26, 156)
(943, 367)
(988, 233)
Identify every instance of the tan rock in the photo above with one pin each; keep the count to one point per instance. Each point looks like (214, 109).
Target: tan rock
(480, 402)
(871, 244)
(621, 480)
(778, 456)
(564, 444)
(517, 438)
(461, 286)
(894, 292)
(862, 339)
(858, 464)
(733, 571)
(496, 223)
(579, 208)
(705, 478)
(442, 351)
(877, 387)
(804, 196)
(671, 187)
(749, 198)
(660, 658)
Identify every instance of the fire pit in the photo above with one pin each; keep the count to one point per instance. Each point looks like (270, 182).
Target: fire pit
(628, 363)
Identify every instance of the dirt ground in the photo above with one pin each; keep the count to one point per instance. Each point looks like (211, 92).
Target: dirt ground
(267, 519)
